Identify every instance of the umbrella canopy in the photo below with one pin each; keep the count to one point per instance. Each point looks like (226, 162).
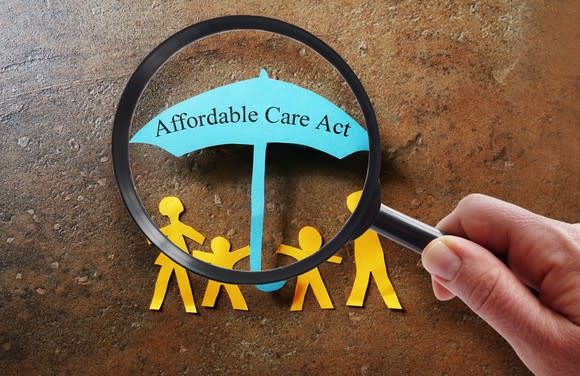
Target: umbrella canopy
(255, 112)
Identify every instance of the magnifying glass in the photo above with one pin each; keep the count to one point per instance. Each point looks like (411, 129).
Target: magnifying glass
(280, 108)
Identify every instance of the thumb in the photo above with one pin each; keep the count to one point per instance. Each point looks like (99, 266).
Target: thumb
(488, 287)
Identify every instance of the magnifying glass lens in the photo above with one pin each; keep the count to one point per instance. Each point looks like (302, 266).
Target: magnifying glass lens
(250, 142)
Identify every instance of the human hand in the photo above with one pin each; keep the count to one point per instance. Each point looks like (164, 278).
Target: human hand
(533, 299)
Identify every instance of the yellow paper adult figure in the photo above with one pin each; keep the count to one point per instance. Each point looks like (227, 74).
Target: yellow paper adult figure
(176, 231)
(223, 258)
(310, 241)
(370, 260)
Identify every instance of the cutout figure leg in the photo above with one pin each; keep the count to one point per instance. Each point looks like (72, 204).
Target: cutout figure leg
(236, 297)
(211, 293)
(386, 288)
(185, 289)
(160, 287)
(359, 288)
(319, 289)
(300, 293)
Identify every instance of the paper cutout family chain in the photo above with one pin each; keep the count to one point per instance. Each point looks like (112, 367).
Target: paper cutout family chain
(368, 253)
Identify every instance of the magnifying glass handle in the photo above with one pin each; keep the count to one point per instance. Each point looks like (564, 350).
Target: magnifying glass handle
(404, 230)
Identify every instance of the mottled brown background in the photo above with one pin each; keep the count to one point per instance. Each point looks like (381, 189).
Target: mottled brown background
(471, 96)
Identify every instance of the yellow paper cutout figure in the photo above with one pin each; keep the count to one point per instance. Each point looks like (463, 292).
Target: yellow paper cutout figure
(223, 258)
(310, 241)
(369, 260)
(176, 231)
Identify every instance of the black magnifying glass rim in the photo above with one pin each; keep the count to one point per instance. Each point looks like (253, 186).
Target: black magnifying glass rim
(362, 217)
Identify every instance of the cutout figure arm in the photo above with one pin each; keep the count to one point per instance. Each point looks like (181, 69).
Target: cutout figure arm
(290, 251)
(335, 259)
(241, 253)
(203, 256)
(193, 234)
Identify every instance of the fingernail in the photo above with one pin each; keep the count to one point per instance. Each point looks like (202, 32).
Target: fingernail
(441, 261)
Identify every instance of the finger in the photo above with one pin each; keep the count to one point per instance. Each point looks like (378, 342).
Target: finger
(532, 245)
(441, 293)
(490, 222)
(488, 287)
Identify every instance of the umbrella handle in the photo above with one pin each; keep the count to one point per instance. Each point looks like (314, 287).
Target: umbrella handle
(402, 229)
(257, 215)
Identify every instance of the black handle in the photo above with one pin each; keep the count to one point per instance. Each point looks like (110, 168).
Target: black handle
(404, 230)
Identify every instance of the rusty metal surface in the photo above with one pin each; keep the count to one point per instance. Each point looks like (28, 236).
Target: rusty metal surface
(471, 97)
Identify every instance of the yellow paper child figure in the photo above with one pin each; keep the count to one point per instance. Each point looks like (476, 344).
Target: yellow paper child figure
(370, 260)
(223, 258)
(310, 241)
(176, 232)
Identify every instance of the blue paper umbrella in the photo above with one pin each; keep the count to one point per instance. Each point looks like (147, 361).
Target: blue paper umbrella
(255, 112)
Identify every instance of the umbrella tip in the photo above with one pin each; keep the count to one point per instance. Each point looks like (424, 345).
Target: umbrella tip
(263, 73)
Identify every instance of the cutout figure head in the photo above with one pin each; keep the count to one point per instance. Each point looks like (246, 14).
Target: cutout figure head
(309, 239)
(352, 200)
(220, 244)
(171, 206)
